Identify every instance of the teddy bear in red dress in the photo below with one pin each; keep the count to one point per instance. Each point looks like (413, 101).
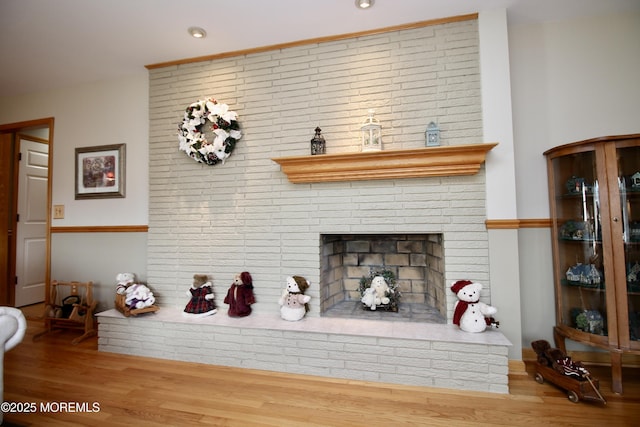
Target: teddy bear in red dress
(240, 295)
(201, 292)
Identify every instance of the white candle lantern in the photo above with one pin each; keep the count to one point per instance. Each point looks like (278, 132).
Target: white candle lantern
(371, 134)
(432, 135)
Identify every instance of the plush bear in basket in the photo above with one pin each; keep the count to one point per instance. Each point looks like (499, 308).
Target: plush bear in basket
(202, 298)
(133, 295)
(293, 302)
(240, 295)
(124, 281)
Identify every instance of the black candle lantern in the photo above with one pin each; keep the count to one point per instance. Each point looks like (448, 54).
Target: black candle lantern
(317, 143)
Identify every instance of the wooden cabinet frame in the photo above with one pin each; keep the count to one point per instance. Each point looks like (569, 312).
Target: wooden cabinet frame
(613, 205)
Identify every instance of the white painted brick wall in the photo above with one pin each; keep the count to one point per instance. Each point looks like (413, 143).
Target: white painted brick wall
(245, 215)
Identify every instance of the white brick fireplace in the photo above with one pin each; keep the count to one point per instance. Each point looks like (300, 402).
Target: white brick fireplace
(245, 215)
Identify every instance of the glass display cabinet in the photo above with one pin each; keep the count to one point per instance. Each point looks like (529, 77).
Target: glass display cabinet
(594, 191)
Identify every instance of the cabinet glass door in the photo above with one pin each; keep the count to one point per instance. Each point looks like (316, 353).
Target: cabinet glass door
(582, 282)
(628, 159)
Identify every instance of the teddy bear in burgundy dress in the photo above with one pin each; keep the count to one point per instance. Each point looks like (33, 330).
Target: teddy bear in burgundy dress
(240, 295)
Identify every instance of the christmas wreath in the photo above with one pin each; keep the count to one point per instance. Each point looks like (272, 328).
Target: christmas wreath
(209, 131)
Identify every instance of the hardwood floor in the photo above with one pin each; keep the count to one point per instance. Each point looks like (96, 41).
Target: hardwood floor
(131, 390)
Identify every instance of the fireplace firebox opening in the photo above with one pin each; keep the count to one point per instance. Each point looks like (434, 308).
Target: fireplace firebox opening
(416, 260)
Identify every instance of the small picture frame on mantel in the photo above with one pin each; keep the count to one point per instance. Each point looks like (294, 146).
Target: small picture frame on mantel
(100, 172)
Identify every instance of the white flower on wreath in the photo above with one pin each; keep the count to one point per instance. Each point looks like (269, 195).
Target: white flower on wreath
(224, 126)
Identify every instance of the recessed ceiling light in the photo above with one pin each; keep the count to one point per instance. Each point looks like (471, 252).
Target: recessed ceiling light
(197, 32)
(364, 4)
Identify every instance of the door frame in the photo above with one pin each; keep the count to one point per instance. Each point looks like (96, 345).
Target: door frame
(7, 287)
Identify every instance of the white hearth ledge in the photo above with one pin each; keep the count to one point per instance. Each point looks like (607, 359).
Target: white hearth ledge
(408, 353)
(358, 327)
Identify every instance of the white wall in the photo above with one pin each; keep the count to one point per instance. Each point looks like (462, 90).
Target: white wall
(571, 80)
(98, 257)
(107, 112)
(501, 176)
(496, 114)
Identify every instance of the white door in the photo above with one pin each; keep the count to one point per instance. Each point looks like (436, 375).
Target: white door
(31, 236)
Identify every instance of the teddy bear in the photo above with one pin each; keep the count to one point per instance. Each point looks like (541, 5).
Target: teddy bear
(293, 302)
(124, 281)
(201, 303)
(469, 313)
(240, 295)
(138, 295)
(558, 360)
(376, 294)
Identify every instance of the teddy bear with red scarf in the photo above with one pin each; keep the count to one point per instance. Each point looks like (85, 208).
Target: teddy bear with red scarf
(469, 313)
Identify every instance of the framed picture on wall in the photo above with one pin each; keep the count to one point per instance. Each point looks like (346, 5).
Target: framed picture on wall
(100, 172)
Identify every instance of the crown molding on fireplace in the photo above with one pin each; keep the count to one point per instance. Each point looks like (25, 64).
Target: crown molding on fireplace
(390, 164)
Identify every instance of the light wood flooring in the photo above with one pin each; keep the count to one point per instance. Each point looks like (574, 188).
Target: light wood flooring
(138, 391)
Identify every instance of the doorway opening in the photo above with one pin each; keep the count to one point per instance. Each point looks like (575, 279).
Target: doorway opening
(25, 205)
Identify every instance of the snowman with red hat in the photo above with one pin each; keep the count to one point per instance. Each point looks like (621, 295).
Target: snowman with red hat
(469, 313)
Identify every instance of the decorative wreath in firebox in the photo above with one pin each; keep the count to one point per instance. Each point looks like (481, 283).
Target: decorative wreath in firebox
(209, 131)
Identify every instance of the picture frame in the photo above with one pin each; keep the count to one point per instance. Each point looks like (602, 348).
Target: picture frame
(100, 172)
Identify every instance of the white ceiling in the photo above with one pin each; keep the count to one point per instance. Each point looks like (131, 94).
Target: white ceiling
(50, 44)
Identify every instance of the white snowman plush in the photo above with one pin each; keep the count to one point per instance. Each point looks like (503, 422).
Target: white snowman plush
(469, 313)
(293, 301)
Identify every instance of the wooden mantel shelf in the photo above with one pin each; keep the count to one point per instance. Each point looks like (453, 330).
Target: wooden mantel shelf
(391, 164)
